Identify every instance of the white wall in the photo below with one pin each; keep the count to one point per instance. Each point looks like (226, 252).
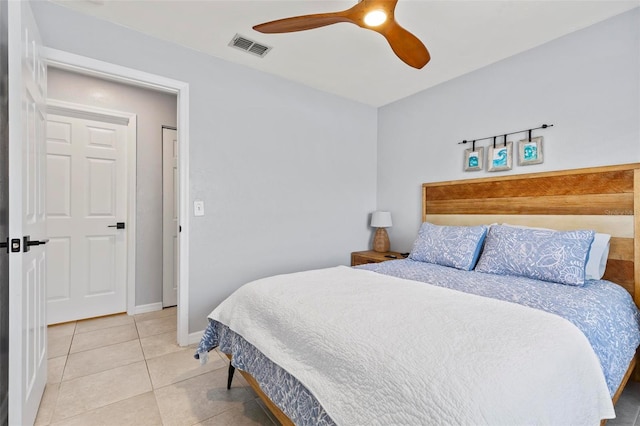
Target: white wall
(586, 84)
(153, 109)
(287, 173)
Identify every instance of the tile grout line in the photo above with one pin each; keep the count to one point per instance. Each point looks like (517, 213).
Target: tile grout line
(100, 347)
(66, 360)
(155, 398)
(146, 363)
(59, 384)
(101, 328)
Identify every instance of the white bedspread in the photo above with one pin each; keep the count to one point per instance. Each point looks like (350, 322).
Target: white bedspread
(375, 349)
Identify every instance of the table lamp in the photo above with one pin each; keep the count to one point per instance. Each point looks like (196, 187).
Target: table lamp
(381, 220)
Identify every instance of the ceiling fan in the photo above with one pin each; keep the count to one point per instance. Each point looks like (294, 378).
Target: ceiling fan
(375, 15)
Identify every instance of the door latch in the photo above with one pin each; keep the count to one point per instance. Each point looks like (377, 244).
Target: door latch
(15, 245)
(5, 244)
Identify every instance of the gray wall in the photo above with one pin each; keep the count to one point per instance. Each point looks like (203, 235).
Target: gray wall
(287, 173)
(586, 84)
(153, 110)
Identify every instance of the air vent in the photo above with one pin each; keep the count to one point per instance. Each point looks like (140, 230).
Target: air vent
(253, 47)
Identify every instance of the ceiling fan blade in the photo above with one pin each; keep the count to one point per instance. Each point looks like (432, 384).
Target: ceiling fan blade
(405, 45)
(301, 23)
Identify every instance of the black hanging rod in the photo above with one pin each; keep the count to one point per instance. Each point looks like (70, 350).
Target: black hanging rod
(544, 126)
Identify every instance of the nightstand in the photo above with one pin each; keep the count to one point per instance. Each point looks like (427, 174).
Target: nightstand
(370, 256)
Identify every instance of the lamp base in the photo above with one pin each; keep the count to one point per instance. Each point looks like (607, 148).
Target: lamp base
(381, 241)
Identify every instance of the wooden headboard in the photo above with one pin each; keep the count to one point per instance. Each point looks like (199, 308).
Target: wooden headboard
(606, 199)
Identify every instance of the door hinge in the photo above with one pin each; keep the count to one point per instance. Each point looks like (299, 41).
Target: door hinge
(180, 228)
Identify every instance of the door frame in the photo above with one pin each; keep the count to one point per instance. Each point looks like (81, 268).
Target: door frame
(88, 66)
(89, 112)
(4, 205)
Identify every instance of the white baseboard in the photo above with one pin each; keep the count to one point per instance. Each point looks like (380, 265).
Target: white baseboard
(195, 337)
(143, 309)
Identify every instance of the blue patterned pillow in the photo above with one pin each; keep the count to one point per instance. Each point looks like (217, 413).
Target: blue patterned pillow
(556, 256)
(455, 246)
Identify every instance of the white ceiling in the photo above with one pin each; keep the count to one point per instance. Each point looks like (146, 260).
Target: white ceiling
(352, 62)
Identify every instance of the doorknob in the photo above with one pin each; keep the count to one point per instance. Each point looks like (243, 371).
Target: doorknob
(118, 225)
(28, 243)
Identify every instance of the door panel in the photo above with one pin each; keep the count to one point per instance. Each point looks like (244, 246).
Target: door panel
(169, 217)
(101, 174)
(59, 257)
(101, 266)
(59, 185)
(87, 194)
(27, 269)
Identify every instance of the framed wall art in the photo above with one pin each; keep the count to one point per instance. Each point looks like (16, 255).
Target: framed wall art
(530, 151)
(500, 158)
(473, 159)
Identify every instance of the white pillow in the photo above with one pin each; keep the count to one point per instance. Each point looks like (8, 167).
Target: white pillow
(598, 254)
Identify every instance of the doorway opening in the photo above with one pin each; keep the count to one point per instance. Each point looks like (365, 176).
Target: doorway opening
(103, 70)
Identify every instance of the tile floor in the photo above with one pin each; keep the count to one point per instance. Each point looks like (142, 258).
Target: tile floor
(628, 407)
(123, 370)
(128, 370)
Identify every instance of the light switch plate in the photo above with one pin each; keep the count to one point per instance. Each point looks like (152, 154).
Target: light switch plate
(198, 208)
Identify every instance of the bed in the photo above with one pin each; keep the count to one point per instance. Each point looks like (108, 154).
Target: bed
(482, 350)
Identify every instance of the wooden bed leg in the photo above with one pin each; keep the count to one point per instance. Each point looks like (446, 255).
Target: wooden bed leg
(232, 370)
(635, 376)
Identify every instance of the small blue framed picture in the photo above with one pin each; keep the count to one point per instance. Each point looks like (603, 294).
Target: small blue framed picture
(530, 151)
(500, 158)
(473, 159)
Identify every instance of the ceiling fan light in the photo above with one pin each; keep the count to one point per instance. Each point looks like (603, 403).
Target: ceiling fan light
(375, 18)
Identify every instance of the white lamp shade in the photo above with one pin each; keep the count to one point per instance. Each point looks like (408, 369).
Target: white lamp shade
(381, 220)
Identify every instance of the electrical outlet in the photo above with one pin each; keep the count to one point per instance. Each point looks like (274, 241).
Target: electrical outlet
(198, 208)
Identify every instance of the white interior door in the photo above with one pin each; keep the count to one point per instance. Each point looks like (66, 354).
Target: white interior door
(27, 220)
(169, 217)
(86, 199)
